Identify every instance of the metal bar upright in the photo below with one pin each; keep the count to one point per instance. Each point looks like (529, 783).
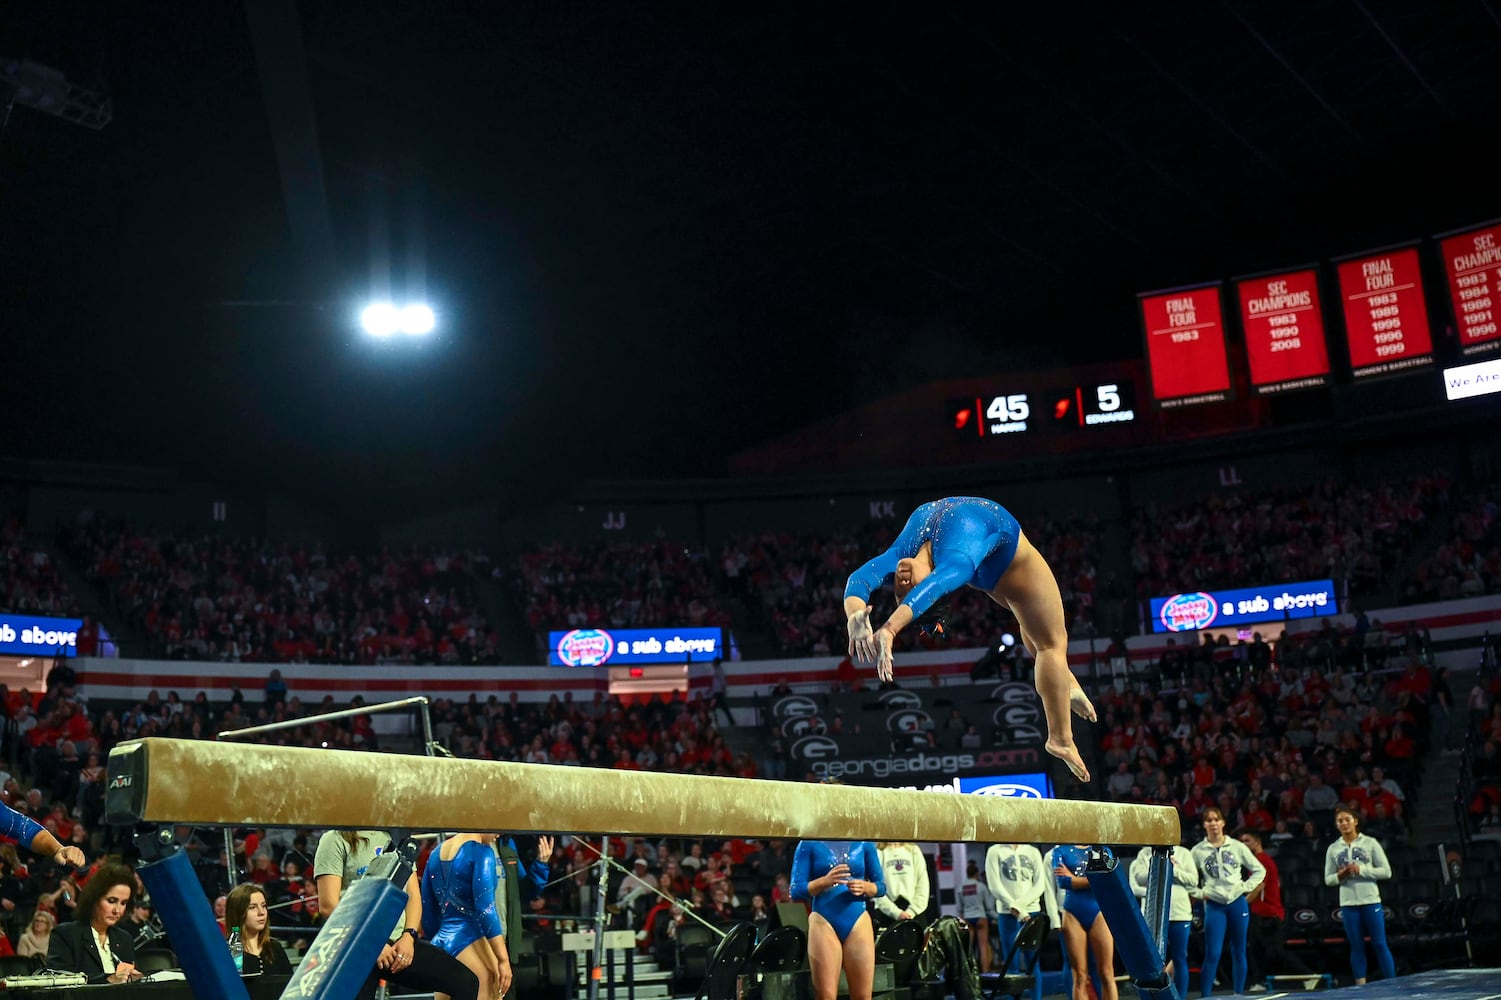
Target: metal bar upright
(1133, 941)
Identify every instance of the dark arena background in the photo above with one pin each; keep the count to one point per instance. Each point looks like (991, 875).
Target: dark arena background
(523, 384)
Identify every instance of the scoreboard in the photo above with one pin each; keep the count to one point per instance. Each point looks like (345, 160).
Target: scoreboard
(1014, 411)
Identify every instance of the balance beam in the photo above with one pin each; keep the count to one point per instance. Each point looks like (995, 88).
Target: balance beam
(199, 783)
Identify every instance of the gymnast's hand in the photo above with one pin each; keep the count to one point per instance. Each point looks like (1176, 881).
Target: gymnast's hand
(862, 641)
(402, 952)
(837, 875)
(69, 855)
(884, 664)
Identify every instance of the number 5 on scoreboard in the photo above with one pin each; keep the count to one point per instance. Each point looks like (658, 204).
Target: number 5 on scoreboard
(1009, 408)
(1109, 396)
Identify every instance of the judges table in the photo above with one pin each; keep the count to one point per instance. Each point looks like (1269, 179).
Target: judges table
(260, 987)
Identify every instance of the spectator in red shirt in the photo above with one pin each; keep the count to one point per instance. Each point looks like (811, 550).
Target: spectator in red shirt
(1400, 746)
(1267, 952)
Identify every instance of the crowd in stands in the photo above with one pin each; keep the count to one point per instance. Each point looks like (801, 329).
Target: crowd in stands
(238, 599)
(30, 583)
(1278, 751)
(794, 585)
(789, 586)
(1337, 529)
(1467, 563)
(617, 584)
(53, 748)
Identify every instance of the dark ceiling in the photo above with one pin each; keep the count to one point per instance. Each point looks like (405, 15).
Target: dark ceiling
(660, 234)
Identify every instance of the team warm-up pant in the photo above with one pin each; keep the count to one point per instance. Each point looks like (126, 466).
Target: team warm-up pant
(1367, 921)
(1222, 920)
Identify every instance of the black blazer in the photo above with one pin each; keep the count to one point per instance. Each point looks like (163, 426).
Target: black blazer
(72, 949)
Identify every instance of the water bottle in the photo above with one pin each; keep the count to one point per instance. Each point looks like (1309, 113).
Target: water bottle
(236, 949)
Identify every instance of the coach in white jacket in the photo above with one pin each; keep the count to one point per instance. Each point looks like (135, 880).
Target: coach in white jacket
(1015, 875)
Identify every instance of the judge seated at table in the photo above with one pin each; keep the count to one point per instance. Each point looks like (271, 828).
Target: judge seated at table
(93, 944)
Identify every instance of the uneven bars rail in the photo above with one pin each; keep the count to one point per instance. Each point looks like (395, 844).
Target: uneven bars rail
(343, 713)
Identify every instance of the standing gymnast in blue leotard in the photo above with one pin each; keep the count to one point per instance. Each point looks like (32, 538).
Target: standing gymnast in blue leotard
(1084, 931)
(947, 544)
(839, 878)
(460, 913)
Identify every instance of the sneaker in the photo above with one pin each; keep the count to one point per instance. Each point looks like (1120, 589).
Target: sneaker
(1258, 988)
(1311, 983)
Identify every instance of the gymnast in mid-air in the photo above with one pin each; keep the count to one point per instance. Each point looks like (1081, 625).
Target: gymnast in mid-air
(947, 544)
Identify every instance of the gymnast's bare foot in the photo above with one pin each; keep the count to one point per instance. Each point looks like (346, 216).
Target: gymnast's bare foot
(1069, 754)
(1080, 703)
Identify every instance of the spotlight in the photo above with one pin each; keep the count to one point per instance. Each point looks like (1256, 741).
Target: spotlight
(385, 319)
(417, 319)
(1007, 639)
(380, 319)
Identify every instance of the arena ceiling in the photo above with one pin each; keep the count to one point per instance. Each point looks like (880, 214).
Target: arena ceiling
(663, 233)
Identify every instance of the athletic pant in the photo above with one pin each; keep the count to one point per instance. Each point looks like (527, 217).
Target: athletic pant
(1222, 920)
(433, 970)
(1177, 953)
(1367, 921)
(1009, 927)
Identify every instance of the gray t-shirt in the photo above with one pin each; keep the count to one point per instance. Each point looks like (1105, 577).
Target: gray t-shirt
(336, 857)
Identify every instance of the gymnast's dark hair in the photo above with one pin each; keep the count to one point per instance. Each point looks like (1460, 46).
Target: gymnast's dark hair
(934, 621)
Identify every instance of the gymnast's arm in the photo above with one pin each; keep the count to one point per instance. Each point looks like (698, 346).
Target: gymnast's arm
(412, 919)
(540, 870)
(29, 833)
(803, 886)
(947, 577)
(429, 905)
(483, 882)
(875, 871)
(868, 579)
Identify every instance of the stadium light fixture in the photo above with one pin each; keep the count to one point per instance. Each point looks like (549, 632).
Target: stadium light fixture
(385, 319)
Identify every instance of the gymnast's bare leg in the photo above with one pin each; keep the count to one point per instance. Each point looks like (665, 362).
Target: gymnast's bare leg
(1029, 589)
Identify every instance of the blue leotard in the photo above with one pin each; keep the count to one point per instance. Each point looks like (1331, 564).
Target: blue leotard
(18, 827)
(1080, 902)
(836, 904)
(974, 541)
(458, 898)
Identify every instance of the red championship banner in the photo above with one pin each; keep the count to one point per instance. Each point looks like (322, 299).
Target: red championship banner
(1185, 334)
(1472, 259)
(1386, 315)
(1284, 328)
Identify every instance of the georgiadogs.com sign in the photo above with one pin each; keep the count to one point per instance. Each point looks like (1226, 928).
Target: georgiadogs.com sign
(881, 735)
(596, 647)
